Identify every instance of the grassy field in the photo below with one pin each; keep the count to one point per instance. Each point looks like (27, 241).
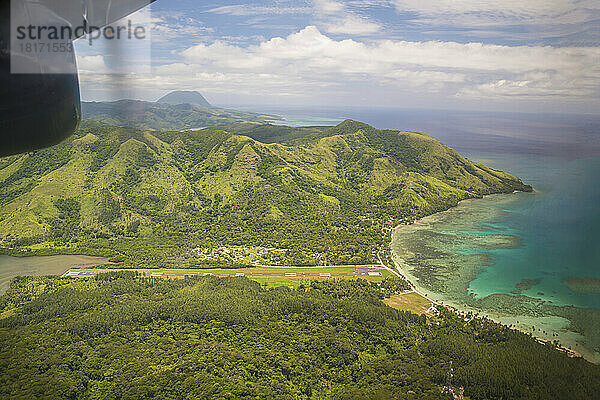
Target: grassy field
(411, 301)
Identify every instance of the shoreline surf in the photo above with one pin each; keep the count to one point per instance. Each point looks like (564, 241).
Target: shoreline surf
(544, 321)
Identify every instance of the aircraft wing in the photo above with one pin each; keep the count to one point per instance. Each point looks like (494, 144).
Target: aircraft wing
(39, 88)
(92, 13)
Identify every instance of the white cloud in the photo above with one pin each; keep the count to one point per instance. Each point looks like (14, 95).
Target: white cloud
(334, 17)
(92, 64)
(507, 12)
(328, 6)
(310, 47)
(308, 63)
(245, 10)
(168, 29)
(353, 25)
(535, 85)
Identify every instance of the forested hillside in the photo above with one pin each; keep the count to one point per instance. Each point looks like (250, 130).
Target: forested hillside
(118, 336)
(150, 197)
(184, 97)
(164, 115)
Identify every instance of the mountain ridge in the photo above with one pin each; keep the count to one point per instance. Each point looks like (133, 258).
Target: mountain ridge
(185, 97)
(163, 116)
(119, 191)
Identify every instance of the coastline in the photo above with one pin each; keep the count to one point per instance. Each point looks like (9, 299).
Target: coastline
(549, 321)
(568, 338)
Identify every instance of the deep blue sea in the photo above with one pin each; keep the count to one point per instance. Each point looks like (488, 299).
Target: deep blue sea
(559, 155)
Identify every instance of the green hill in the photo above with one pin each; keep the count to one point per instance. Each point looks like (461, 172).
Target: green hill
(165, 116)
(150, 198)
(268, 133)
(184, 97)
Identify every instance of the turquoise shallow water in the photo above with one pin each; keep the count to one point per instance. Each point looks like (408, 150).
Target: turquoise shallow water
(557, 228)
(527, 259)
(511, 257)
(559, 231)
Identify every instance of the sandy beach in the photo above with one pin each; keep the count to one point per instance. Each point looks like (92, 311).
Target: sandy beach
(431, 253)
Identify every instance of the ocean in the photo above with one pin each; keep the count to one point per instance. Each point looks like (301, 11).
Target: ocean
(531, 260)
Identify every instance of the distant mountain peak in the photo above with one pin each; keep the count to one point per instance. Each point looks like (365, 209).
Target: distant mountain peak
(349, 126)
(185, 97)
(352, 124)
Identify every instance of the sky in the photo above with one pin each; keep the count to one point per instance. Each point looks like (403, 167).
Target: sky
(511, 55)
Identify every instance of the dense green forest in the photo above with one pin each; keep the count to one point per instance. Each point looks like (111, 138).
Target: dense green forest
(149, 198)
(121, 336)
(165, 116)
(184, 97)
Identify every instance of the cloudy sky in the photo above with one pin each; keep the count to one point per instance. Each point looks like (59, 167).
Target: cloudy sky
(527, 55)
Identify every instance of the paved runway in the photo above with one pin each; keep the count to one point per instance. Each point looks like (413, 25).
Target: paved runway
(249, 274)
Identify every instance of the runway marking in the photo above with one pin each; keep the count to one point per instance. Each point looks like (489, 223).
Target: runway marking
(233, 274)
